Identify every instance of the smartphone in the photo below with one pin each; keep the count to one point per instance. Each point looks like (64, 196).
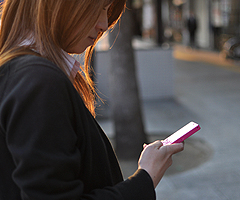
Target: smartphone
(182, 134)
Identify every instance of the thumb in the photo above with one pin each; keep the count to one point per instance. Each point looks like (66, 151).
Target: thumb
(175, 148)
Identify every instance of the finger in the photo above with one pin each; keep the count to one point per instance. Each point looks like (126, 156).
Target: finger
(161, 144)
(144, 145)
(157, 144)
(176, 147)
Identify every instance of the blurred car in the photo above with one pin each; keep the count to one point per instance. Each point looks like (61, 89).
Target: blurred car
(231, 48)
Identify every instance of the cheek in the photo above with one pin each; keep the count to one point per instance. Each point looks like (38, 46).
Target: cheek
(78, 47)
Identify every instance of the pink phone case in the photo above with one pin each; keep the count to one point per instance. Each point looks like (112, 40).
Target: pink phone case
(182, 133)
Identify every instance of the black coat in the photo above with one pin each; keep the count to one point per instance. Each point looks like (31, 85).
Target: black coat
(50, 145)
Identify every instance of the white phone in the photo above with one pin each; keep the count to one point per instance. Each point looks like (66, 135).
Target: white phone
(182, 134)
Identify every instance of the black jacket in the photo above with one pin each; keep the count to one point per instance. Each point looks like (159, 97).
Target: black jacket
(50, 145)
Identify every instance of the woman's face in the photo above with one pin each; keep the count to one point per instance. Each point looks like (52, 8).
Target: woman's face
(100, 26)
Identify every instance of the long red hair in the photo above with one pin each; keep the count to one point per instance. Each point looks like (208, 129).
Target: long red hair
(50, 23)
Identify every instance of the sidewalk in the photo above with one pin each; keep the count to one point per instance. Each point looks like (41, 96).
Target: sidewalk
(199, 55)
(207, 90)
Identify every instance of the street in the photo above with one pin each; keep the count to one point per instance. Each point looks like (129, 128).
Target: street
(207, 91)
(209, 95)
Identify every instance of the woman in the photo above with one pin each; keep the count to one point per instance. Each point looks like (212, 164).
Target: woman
(51, 147)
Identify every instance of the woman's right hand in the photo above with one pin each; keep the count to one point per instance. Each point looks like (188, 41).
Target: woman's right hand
(156, 159)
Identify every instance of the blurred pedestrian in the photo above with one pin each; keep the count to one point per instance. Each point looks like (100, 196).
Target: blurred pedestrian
(192, 28)
(51, 145)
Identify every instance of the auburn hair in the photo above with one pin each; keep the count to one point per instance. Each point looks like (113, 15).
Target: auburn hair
(50, 23)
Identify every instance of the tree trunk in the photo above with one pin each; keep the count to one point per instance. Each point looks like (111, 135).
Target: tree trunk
(125, 101)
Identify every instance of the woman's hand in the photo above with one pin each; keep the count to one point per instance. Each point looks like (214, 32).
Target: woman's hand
(156, 159)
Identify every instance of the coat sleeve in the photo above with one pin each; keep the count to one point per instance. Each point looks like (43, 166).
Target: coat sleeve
(41, 138)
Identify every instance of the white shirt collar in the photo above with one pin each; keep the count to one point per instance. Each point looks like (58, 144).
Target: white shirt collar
(72, 64)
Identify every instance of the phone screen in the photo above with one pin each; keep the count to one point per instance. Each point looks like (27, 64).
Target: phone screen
(182, 133)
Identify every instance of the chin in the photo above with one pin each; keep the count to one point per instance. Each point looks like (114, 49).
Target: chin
(77, 50)
(72, 51)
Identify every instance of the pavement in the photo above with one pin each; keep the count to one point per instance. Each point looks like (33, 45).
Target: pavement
(207, 91)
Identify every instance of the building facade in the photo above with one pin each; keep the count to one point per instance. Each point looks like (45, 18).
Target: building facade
(218, 20)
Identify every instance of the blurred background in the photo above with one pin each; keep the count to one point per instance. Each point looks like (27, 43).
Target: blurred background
(186, 55)
(165, 21)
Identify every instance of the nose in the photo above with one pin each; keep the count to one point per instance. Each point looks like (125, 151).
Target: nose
(102, 23)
